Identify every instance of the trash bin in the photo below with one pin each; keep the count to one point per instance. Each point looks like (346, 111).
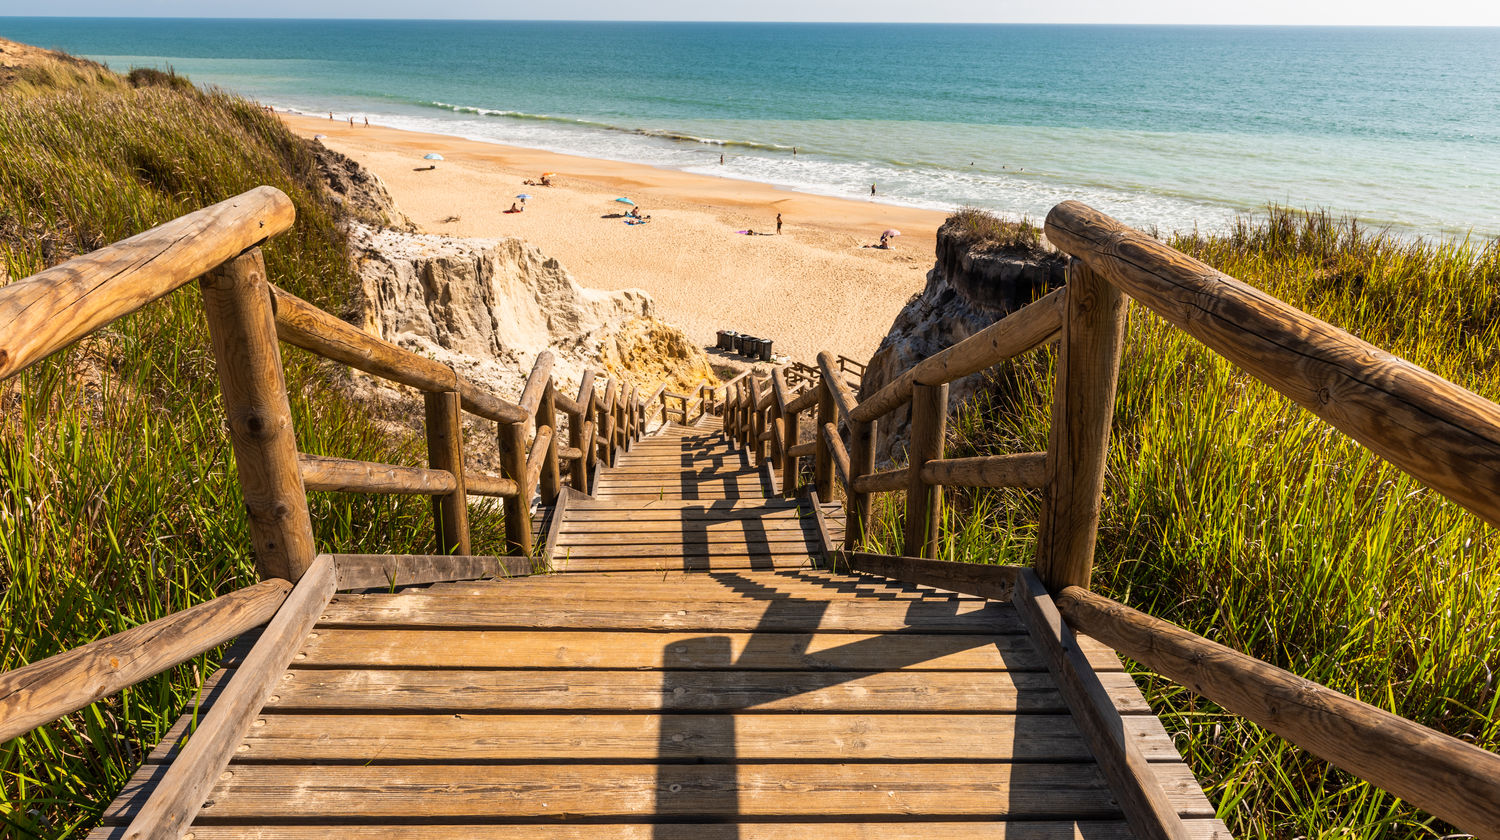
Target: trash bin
(749, 346)
(726, 339)
(765, 349)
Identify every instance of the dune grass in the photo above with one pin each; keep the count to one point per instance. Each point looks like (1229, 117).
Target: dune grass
(1230, 510)
(119, 501)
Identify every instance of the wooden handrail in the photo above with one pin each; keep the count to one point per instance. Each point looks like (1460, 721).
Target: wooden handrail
(52, 308)
(883, 481)
(44, 691)
(843, 396)
(1026, 469)
(341, 475)
(1025, 329)
(836, 450)
(303, 325)
(1449, 778)
(536, 383)
(537, 459)
(1443, 435)
(486, 484)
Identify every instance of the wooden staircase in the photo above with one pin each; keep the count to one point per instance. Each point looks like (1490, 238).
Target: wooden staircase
(688, 673)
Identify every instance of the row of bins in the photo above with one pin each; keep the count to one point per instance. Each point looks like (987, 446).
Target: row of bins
(745, 345)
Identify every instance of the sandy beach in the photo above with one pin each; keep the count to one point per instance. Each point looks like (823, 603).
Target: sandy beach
(813, 287)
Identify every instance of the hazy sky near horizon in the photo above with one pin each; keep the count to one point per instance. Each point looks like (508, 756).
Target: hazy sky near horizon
(1274, 12)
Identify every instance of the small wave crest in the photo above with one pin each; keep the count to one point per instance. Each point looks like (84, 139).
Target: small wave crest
(661, 134)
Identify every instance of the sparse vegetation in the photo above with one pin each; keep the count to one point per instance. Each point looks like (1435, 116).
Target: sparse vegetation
(985, 232)
(1230, 510)
(119, 501)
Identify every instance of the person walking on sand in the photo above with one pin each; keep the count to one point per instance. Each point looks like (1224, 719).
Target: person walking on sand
(778, 224)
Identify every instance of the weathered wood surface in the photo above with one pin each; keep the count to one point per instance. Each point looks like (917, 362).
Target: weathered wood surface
(843, 395)
(511, 442)
(1083, 407)
(995, 582)
(242, 330)
(301, 324)
(536, 460)
(1023, 330)
(536, 383)
(363, 571)
(486, 484)
(47, 311)
(1148, 807)
(176, 801)
(837, 453)
(1026, 469)
(924, 502)
(915, 828)
(44, 691)
(883, 481)
(342, 475)
(445, 451)
(1452, 779)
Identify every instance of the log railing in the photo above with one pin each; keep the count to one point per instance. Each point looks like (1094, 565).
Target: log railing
(1441, 434)
(247, 319)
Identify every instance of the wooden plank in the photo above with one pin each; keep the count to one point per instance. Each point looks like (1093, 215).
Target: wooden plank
(50, 309)
(798, 532)
(44, 691)
(242, 329)
(755, 508)
(1083, 407)
(573, 649)
(718, 563)
(665, 529)
(363, 571)
(725, 791)
(1026, 469)
(986, 581)
(470, 737)
(910, 828)
(185, 785)
(1149, 809)
(565, 497)
(342, 475)
(424, 609)
(689, 547)
(1023, 330)
(336, 690)
(1452, 779)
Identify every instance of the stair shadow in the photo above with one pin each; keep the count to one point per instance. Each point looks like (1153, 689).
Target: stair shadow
(708, 790)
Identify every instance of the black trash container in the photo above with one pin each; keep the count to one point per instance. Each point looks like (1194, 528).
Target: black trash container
(737, 342)
(726, 339)
(765, 349)
(749, 346)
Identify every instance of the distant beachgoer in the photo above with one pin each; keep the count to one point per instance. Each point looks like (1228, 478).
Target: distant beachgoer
(635, 213)
(778, 223)
(367, 122)
(872, 189)
(515, 209)
(330, 115)
(885, 242)
(794, 151)
(721, 160)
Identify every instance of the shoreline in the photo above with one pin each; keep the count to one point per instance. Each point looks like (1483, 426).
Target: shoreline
(814, 287)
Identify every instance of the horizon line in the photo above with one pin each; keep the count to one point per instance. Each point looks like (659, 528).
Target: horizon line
(5, 16)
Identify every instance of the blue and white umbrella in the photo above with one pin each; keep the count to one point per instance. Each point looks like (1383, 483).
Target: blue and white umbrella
(625, 201)
(523, 196)
(432, 156)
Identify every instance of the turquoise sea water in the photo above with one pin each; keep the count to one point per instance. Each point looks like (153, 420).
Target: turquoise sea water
(1165, 127)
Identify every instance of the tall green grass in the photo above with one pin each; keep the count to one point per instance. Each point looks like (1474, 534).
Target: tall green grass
(119, 501)
(1233, 512)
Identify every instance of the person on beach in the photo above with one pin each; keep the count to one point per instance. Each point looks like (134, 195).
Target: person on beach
(367, 122)
(872, 189)
(721, 160)
(885, 242)
(635, 213)
(515, 209)
(778, 224)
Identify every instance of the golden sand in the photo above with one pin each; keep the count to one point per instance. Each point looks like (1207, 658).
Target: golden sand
(813, 287)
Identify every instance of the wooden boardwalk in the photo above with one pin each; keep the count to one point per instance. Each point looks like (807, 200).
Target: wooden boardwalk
(689, 674)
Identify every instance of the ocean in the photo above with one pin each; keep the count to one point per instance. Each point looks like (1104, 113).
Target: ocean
(1167, 128)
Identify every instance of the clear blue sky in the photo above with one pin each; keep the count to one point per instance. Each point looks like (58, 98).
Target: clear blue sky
(1300, 12)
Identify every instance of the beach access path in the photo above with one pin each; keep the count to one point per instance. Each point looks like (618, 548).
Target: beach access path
(814, 287)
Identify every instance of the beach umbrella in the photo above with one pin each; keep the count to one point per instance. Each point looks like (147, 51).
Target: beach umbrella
(319, 136)
(891, 232)
(432, 156)
(523, 196)
(548, 174)
(624, 200)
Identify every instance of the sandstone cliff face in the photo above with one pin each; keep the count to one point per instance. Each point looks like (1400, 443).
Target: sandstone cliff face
(967, 290)
(487, 307)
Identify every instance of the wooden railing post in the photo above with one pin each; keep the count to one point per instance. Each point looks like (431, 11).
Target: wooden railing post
(578, 472)
(546, 415)
(757, 423)
(790, 433)
(924, 502)
(445, 451)
(1083, 402)
(857, 504)
(518, 507)
(242, 326)
(822, 459)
